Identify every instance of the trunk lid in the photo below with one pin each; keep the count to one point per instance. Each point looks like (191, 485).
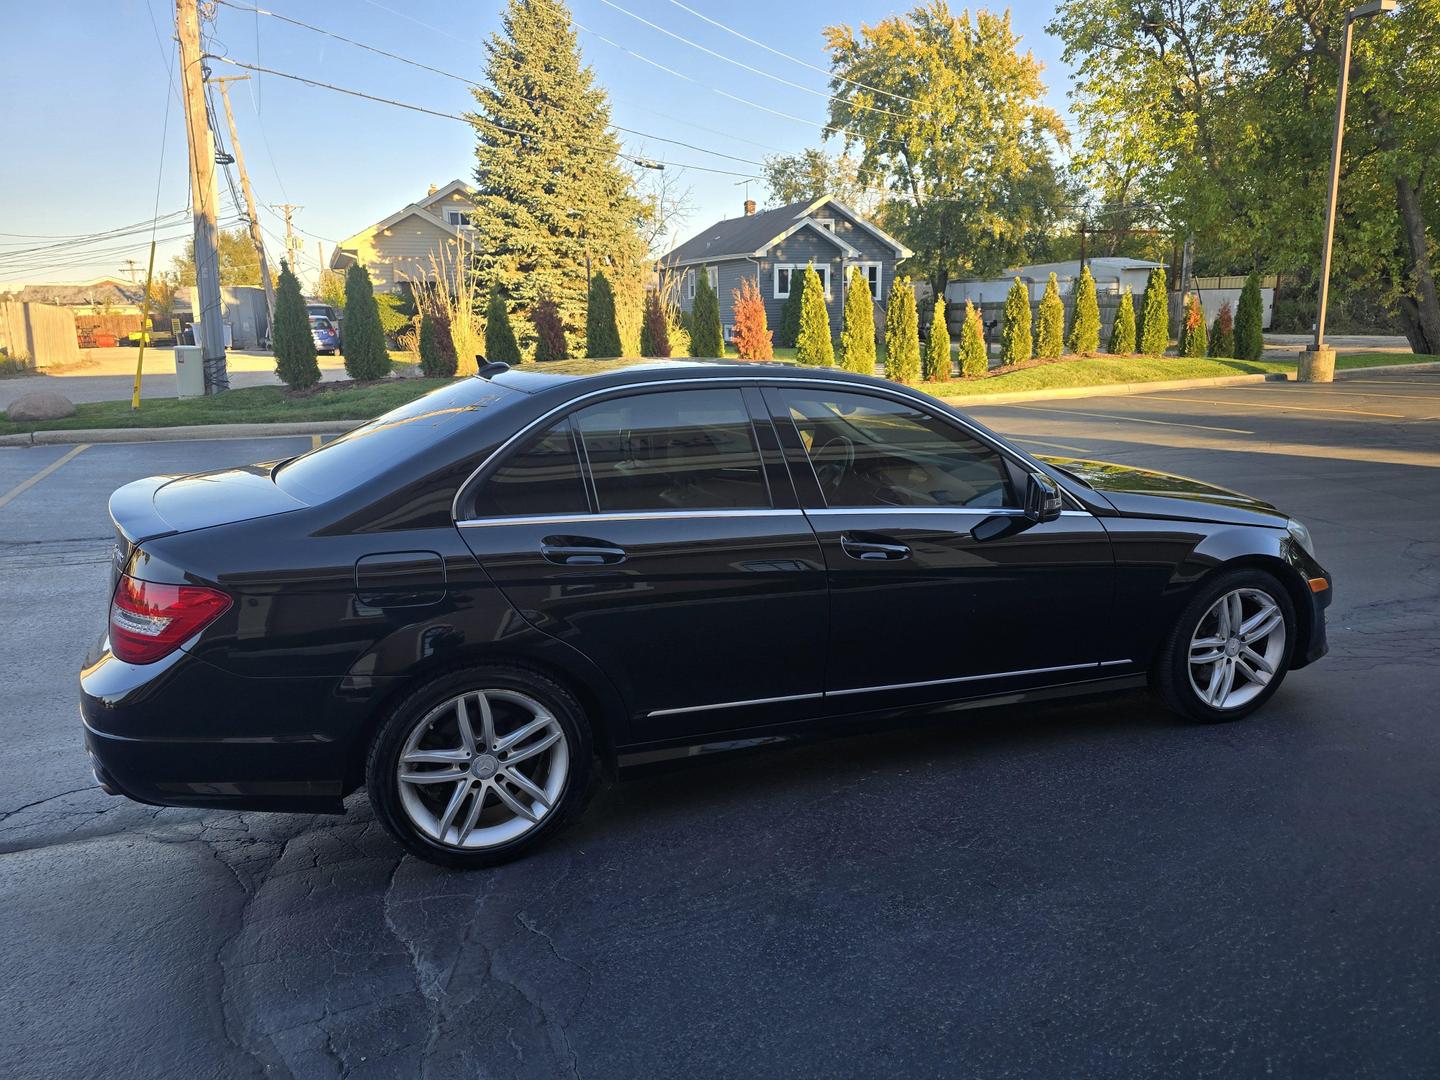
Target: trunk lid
(161, 505)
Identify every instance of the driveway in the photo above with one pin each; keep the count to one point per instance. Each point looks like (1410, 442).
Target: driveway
(1090, 889)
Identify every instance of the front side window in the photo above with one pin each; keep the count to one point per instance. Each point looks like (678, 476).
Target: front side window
(540, 476)
(876, 452)
(676, 450)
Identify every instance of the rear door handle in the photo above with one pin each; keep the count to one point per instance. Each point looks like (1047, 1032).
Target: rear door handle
(580, 551)
(872, 550)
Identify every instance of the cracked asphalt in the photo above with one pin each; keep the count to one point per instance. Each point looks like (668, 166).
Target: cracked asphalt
(1088, 889)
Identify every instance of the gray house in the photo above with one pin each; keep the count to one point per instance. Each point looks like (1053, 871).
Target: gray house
(774, 247)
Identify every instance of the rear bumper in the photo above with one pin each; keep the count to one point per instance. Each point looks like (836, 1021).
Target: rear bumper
(182, 732)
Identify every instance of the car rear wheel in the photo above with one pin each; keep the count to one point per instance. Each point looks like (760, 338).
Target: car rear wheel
(480, 766)
(1229, 650)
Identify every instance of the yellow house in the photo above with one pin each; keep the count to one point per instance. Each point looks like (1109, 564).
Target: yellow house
(406, 246)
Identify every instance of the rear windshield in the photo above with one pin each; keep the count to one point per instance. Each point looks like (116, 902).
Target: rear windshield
(402, 434)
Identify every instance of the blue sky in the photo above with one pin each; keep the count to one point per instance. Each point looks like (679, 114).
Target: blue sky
(87, 110)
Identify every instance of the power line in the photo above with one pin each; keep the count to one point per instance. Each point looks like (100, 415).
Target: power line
(744, 66)
(84, 240)
(472, 82)
(794, 59)
(635, 159)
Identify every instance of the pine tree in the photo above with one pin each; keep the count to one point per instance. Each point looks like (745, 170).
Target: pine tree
(437, 350)
(1222, 334)
(654, 327)
(974, 356)
(1153, 330)
(550, 343)
(1084, 336)
(937, 346)
(1050, 331)
(363, 341)
(602, 335)
(1122, 334)
(813, 345)
(902, 334)
(705, 336)
(290, 337)
(1015, 344)
(550, 187)
(857, 329)
(1249, 336)
(789, 333)
(500, 344)
(752, 331)
(1194, 341)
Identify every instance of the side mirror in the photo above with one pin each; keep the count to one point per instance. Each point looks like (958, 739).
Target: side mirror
(1042, 499)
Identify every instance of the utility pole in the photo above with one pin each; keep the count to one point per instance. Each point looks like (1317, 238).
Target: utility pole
(291, 247)
(204, 197)
(132, 268)
(255, 237)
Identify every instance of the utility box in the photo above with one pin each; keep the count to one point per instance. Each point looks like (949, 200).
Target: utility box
(189, 371)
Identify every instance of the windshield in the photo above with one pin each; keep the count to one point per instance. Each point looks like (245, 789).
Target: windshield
(398, 436)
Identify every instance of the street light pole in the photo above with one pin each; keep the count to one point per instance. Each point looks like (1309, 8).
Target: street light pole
(1317, 364)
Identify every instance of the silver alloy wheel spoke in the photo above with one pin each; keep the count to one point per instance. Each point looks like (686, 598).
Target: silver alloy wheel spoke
(1237, 648)
(472, 796)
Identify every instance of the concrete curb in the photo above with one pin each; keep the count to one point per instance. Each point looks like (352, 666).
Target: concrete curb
(339, 427)
(176, 434)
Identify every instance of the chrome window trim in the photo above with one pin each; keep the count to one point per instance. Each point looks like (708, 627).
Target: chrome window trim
(893, 686)
(745, 380)
(625, 515)
(980, 511)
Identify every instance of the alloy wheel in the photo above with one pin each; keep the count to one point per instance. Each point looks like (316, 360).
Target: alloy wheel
(482, 769)
(1237, 648)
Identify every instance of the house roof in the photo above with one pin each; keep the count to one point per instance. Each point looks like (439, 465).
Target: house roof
(754, 234)
(419, 209)
(100, 291)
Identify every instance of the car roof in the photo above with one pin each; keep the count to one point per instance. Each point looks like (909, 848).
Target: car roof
(585, 376)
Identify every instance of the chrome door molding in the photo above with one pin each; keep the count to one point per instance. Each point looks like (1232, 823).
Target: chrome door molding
(625, 515)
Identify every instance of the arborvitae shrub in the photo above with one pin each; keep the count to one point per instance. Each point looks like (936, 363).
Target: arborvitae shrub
(1015, 343)
(705, 336)
(857, 331)
(363, 341)
(1249, 335)
(654, 327)
(1222, 333)
(602, 334)
(1122, 334)
(290, 337)
(500, 344)
(752, 331)
(974, 356)
(550, 343)
(813, 346)
(1153, 331)
(902, 334)
(937, 348)
(1194, 340)
(1085, 318)
(1050, 331)
(789, 332)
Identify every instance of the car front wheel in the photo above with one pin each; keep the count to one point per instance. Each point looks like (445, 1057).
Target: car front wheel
(480, 766)
(1229, 650)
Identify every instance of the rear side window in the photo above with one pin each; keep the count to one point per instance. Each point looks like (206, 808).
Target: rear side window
(676, 450)
(541, 476)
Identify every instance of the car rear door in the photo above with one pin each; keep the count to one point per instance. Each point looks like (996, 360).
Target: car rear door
(656, 530)
(921, 609)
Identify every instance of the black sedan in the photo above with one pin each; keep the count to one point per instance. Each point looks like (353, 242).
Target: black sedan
(476, 605)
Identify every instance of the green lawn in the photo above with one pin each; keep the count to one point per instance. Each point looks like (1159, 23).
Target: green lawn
(252, 405)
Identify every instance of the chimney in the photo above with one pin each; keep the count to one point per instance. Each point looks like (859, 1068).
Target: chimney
(432, 190)
(749, 207)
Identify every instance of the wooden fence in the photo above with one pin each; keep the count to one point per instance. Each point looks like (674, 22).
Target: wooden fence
(44, 333)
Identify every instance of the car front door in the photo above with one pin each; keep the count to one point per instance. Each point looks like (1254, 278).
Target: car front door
(922, 608)
(657, 532)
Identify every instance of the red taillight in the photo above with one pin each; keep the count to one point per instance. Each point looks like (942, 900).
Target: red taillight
(148, 621)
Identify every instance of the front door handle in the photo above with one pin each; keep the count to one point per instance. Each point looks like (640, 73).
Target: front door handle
(872, 550)
(580, 551)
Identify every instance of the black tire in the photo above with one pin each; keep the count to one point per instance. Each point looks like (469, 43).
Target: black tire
(1170, 676)
(383, 784)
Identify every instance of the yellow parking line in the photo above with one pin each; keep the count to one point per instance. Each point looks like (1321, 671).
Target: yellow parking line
(1057, 445)
(21, 488)
(1132, 419)
(1262, 405)
(314, 442)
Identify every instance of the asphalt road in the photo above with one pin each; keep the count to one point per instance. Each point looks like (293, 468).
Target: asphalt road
(1078, 890)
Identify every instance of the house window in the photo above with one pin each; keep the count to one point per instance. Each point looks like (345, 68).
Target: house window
(871, 270)
(458, 218)
(827, 223)
(712, 275)
(689, 284)
(788, 273)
